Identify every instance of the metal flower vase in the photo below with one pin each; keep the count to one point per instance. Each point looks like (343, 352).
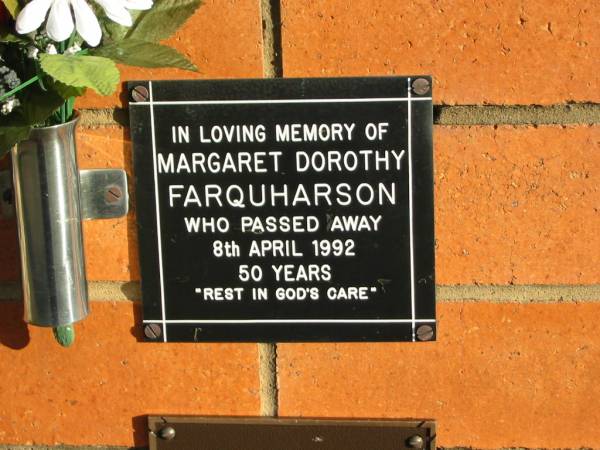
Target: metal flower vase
(48, 207)
(52, 197)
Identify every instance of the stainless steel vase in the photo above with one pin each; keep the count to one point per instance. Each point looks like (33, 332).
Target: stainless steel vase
(48, 207)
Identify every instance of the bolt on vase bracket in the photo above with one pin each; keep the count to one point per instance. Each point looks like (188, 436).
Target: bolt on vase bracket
(51, 197)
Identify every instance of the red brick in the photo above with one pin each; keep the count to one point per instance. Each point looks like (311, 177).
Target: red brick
(509, 52)
(223, 39)
(499, 376)
(517, 205)
(97, 391)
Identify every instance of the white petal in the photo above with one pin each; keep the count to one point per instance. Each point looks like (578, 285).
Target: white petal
(32, 16)
(86, 22)
(60, 21)
(137, 4)
(116, 12)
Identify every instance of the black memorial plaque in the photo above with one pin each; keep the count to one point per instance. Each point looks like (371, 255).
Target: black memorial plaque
(286, 209)
(224, 433)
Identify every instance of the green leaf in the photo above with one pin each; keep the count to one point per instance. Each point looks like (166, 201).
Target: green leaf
(100, 74)
(10, 38)
(144, 54)
(6, 35)
(163, 19)
(65, 91)
(10, 136)
(112, 31)
(13, 7)
(37, 105)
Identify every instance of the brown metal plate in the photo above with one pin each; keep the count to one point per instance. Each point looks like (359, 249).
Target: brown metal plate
(209, 433)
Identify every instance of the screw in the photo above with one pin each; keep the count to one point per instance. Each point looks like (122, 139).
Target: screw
(167, 433)
(425, 333)
(420, 86)
(152, 331)
(113, 194)
(140, 94)
(415, 441)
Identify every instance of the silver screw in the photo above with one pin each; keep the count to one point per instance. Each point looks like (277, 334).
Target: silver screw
(152, 331)
(425, 333)
(421, 86)
(140, 94)
(113, 194)
(415, 441)
(167, 433)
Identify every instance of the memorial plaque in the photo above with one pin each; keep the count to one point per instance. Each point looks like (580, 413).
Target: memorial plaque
(285, 209)
(217, 433)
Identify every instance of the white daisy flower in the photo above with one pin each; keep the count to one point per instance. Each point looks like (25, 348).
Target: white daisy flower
(60, 25)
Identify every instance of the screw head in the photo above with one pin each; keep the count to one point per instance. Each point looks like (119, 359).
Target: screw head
(167, 433)
(425, 333)
(140, 94)
(113, 194)
(421, 86)
(152, 331)
(415, 441)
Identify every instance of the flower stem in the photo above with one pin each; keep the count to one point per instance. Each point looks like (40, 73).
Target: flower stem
(63, 107)
(19, 88)
(70, 106)
(72, 39)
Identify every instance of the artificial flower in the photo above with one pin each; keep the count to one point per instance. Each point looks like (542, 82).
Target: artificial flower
(116, 10)
(8, 81)
(9, 78)
(56, 27)
(73, 50)
(10, 104)
(32, 52)
(60, 24)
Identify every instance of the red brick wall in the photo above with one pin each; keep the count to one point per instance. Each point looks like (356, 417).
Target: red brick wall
(517, 361)
(501, 52)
